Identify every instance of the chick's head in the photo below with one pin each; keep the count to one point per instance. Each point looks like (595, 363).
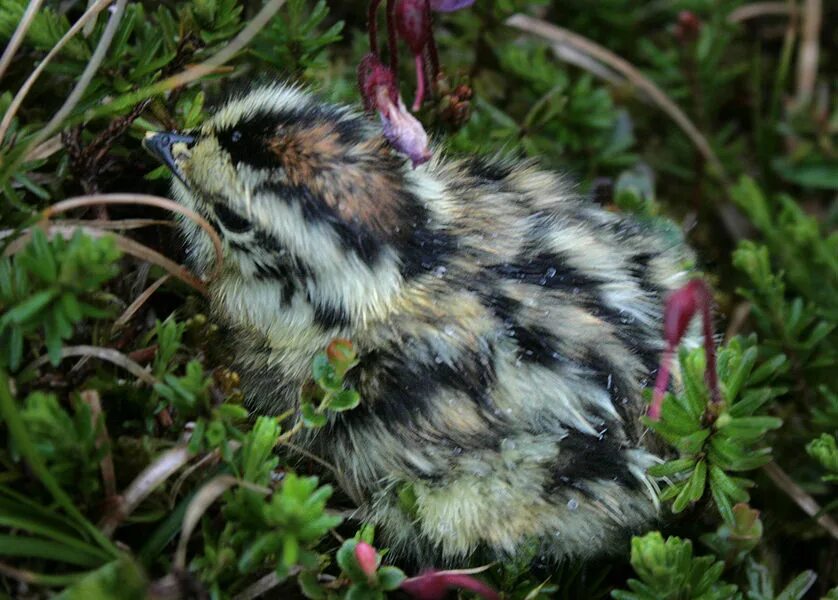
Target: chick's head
(307, 196)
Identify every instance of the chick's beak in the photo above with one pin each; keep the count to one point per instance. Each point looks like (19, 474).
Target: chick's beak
(161, 145)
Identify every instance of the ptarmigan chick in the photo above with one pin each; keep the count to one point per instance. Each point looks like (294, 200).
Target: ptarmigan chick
(505, 324)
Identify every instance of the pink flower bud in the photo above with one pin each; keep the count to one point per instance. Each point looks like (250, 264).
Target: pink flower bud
(688, 27)
(373, 80)
(681, 306)
(413, 23)
(367, 558)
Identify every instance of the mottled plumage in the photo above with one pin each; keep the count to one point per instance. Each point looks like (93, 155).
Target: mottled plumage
(506, 325)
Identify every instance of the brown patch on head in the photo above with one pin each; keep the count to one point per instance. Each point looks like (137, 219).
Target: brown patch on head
(304, 151)
(362, 183)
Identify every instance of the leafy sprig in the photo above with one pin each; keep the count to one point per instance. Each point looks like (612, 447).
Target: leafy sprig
(48, 288)
(712, 446)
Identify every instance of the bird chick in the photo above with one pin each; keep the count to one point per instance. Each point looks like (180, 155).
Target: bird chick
(505, 324)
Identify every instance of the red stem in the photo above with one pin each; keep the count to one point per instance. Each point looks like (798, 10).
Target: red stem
(433, 54)
(372, 25)
(420, 83)
(661, 383)
(392, 46)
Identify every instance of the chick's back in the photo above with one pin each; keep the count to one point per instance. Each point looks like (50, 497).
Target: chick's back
(502, 392)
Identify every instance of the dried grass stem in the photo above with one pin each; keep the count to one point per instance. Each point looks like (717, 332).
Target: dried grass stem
(19, 35)
(89, 14)
(559, 35)
(107, 354)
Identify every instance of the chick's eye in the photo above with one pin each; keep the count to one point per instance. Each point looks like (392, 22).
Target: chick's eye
(231, 221)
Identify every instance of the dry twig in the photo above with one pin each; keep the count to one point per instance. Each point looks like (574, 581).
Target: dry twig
(755, 10)
(91, 398)
(800, 497)
(144, 484)
(89, 14)
(126, 245)
(807, 58)
(148, 200)
(559, 35)
(262, 586)
(199, 504)
(107, 354)
(84, 79)
(138, 302)
(19, 35)
(207, 67)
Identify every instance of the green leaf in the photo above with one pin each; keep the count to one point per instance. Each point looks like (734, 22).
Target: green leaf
(737, 378)
(798, 586)
(31, 306)
(290, 550)
(15, 348)
(770, 368)
(722, 503)
(390, 578)
(694, 488)
(22, 518)
(122, 579)
(694, 442)
(255, 553)
(726, 485)
(310, 586)
(753, 400)
(672, 467)
(20, 437)
(344, 400)
(311, 418)
(346, 561)
(812, 174)
(324, 373)
(748, 428)
(31, 547)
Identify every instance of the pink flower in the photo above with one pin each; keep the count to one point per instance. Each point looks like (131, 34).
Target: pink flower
(411, 20)
(433, 585)
(402, 129)
(688, 27)
(405, 132)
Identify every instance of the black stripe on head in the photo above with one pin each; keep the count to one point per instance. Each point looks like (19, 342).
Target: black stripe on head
(281, 274)
(249, 140)
(274, 263)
